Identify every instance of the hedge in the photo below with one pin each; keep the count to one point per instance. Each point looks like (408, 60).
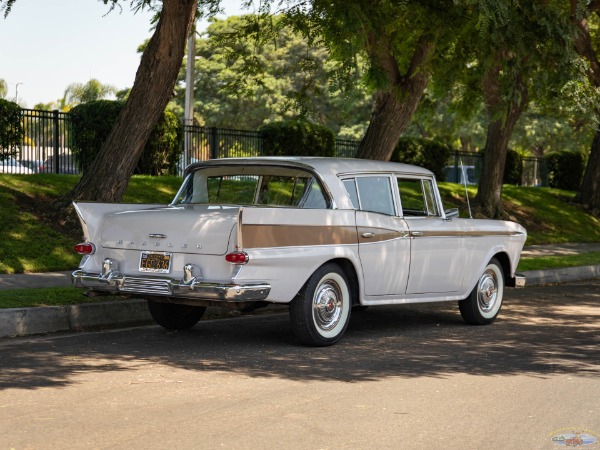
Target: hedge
(297, 138)
(93, 121)
(565, 169)
(11, 130)
(513, 168)
(432, 155)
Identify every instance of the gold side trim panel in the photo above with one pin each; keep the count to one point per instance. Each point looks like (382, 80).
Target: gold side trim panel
(264, 236)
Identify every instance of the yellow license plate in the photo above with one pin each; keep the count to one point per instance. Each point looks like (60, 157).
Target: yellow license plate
(155, 262)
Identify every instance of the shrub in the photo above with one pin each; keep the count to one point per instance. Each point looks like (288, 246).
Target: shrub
(11, 130)
(513, 168)
(161, 154)
(565, 169)
(432, 155)
(297, 138)
(93, 121)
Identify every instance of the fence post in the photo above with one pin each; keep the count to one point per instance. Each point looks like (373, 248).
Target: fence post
(55, 140)
(213, 142)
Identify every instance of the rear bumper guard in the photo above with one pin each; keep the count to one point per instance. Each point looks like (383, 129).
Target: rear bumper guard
(168, 287)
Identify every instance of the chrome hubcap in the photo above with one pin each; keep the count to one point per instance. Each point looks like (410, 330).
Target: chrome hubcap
(487, 291)
(327, 305)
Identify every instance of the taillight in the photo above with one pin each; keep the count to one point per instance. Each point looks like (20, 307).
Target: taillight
(85, 248)
(237, 257)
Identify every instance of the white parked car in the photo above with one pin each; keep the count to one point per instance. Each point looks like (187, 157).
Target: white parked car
(11, 165)
(322, 235)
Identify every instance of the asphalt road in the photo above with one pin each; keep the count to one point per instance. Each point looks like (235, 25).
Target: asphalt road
(411, 377)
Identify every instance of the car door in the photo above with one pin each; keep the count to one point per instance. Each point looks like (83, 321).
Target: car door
(438, 258)
(384, 244)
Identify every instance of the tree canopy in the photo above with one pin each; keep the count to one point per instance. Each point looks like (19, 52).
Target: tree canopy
(282, 77)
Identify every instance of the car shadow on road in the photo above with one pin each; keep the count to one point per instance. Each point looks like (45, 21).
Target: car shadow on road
(541, 332)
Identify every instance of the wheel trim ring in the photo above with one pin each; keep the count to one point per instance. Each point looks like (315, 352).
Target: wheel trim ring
(327, 305)
(487, 291)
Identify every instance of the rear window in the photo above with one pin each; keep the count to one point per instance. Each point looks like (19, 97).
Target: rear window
(253, 185)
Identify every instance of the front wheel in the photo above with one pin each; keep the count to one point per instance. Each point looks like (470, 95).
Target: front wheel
(321, 311)
(482, 306)
(175, 317)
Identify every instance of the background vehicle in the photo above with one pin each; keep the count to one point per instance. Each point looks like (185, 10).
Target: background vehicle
(11, 165)
(460, 174)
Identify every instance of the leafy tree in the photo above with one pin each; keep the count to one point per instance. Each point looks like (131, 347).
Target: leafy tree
(278, 77)
(400, 40)
(93, 90)
(11, 131)
(3, 88)
(585, 17)
(508, 52)
(109, 175)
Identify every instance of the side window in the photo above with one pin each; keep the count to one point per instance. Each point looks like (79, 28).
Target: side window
(375, 194)
(417, 197)
(350, 186)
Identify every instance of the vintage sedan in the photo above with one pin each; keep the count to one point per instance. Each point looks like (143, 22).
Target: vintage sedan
(322, 235)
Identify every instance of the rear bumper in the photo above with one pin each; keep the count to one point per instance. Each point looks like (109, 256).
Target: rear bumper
(168, 287)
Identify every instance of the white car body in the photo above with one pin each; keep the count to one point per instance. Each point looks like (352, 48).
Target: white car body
(386, 252)
(12, 166)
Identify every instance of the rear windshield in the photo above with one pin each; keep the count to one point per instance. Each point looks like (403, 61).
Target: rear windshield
(252, 185)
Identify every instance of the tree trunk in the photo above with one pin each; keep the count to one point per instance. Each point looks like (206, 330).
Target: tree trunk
(589, 193)
(503, 117)
(396, 104)
(107, 178)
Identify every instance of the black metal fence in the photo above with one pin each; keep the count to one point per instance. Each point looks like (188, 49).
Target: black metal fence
(46, 148)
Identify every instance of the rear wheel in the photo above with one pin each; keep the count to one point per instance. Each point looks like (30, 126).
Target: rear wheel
(175, 317)
(482, 306)
(321, 311)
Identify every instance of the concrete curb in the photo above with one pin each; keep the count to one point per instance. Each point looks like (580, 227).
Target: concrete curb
(52, 319)
(579, 273)
(17, 322)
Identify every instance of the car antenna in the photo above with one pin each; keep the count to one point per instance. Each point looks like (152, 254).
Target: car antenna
(464, 177)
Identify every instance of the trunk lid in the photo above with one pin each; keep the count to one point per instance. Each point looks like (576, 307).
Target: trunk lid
(199, 229)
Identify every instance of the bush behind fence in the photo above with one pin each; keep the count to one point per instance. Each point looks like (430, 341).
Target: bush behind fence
(48, 142)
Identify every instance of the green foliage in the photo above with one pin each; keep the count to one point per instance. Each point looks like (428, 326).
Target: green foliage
(163, 148)
(11, 131)
(297, 138)
(565, 169)
(91, 124)
(77, 93)
(3, 88)
(432, 155)
(245, 80)
(513, 168)
(93, 121)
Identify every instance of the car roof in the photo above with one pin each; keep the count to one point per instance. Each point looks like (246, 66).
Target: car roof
(321, 165)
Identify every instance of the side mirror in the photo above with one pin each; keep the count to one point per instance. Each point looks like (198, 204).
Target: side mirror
(451, 213)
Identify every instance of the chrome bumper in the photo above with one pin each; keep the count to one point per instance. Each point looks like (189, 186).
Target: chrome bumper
(168, 287)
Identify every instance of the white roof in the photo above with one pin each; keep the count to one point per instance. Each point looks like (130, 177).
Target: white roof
(322, 165)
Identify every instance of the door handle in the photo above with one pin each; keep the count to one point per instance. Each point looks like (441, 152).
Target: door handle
(368, 235)
(416, 233)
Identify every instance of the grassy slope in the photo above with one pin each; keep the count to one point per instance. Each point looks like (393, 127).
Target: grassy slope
(32, 241)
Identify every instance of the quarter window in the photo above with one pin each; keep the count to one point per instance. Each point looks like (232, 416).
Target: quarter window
(371, 193)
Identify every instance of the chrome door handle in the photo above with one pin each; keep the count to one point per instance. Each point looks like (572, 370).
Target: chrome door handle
(416, 233)
(368, 235)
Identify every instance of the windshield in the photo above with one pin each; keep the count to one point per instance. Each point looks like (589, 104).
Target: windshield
(252, 185)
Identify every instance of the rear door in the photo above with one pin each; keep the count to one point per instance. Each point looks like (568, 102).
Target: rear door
(384, 244)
